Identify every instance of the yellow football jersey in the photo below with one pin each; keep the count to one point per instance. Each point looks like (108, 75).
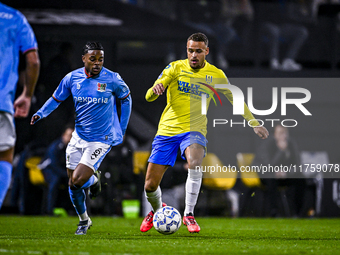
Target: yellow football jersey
(185, 87)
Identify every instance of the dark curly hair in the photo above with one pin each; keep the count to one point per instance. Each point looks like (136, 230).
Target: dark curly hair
(92, 46)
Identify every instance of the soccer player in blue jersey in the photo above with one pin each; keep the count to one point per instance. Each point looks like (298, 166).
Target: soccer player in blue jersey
(16, 35)
(94, 90)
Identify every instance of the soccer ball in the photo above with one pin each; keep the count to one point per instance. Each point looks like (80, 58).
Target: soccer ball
(167, 220)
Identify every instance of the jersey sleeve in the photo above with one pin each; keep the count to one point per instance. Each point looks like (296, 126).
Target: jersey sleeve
(165, 78)
(26, 36)
(63, 91)
(126, 107)
(121, 90)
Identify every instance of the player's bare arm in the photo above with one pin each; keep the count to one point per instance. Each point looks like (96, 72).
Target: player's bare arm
(32, 71)
(23, 103)
(158, 89)
(261, 131)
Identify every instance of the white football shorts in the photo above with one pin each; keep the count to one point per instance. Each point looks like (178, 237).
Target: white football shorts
(90, 154)
(7, 130)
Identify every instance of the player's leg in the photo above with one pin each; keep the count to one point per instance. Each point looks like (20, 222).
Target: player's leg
(194, 154)
(82, 160)
(193, 147)
(6, 158)
(74, 153)
(153, 178)
(78, 197)
(80, 179)
(164, 153)
(93, 156)
(153, 193)
(7, 142)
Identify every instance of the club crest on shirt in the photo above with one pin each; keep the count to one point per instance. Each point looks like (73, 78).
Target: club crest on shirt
(208, 79)
(101, 87)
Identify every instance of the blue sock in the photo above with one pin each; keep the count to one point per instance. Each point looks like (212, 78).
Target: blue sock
(77, 196)
(90, 182)
(5, 179)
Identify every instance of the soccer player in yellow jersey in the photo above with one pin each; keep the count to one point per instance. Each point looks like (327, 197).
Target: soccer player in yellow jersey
(183, 127)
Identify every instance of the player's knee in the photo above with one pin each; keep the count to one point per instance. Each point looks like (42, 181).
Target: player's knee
(195, 163)
(150, 186)
(78, 180)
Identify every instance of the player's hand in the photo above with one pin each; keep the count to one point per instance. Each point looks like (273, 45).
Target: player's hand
(22, 106)
(34, 119)
(158, 89)
(261, 131)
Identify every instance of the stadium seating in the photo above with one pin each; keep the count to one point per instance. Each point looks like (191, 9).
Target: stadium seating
(218, 185)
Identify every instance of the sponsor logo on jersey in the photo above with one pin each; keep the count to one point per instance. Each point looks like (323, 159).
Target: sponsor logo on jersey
(101, 87)
(95, 100)
(78, 85)
(186, 87)
(198, 90)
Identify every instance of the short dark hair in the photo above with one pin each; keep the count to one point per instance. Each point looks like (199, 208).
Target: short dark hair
(199, 37)
(92, 46)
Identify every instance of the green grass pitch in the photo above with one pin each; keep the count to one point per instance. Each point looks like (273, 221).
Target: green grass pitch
(109, 235)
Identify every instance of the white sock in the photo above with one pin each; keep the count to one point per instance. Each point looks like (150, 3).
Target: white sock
(83, 216)
(192, 189)
(155, 198)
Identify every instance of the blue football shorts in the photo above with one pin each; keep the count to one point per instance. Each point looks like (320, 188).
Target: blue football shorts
(164, 148)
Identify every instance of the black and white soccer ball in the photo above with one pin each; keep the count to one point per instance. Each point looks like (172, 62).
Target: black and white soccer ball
(167, 220)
